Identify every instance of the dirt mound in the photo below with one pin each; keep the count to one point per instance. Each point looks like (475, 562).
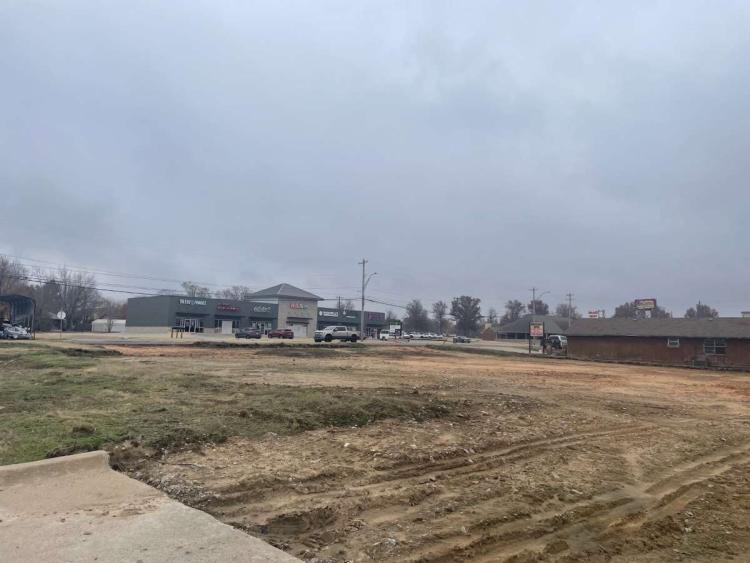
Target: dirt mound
(89, 352)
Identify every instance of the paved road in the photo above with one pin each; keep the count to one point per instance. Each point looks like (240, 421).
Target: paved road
(124, 339)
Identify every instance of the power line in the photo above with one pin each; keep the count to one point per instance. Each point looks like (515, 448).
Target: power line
(384, 303)
(80, 286)
(126, 275)
(89, 270)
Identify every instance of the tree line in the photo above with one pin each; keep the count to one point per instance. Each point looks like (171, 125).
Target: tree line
(465, 311)
(467, 317)
(58, 290)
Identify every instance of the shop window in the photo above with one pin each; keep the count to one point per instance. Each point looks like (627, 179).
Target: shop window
(715, 346)
(673, 342)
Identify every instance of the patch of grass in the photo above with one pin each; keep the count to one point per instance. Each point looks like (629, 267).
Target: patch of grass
(481, 351)
(89, 352)
(54, 403)
(319, 351)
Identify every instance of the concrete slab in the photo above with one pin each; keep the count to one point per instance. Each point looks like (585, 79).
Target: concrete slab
(76, 508)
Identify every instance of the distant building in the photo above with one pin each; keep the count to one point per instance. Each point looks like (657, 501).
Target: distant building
(519, 329)
(745, 314)
(721, 342)
(280, 306)
(105, 325)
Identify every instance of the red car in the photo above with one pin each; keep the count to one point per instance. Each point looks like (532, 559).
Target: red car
(281, 333)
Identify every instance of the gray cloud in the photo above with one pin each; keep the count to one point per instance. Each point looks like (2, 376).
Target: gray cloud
(585, 147)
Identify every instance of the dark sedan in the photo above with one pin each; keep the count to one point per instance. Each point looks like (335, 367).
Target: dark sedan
(248, 333)
(281, 333)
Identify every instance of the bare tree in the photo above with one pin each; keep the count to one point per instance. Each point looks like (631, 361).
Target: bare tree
(513, 311)
(538, 307)
(562, 311)
(236, 292)
(492, 316)
(701, 311)
(416, 316)
(13, 276)
(72, 292)
(439, 310)
(192, 289)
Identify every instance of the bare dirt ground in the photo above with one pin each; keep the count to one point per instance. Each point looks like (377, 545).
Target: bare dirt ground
(541, 461)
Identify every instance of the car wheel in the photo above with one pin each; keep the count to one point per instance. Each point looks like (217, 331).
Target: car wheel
(353, 338)
(328, 338)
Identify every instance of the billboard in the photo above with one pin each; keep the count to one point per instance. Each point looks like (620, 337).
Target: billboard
(536, 330)
(645, 304)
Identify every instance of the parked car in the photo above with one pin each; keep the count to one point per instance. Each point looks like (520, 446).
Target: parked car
(281, 333)
(15, 333)
(331, 333)
(386, 335)
(461, 340)
(557, 341)
(248, 333)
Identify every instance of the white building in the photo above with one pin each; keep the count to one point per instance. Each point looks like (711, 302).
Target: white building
(105, 325)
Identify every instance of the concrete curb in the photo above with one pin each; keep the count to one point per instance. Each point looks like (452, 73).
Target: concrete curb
(54, 467)
(76, 508)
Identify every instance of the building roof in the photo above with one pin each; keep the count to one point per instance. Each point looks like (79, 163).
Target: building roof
(728, 327)
(552, 325)
(285, 290)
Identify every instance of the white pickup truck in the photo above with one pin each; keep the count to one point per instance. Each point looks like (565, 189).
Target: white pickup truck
(331, 333)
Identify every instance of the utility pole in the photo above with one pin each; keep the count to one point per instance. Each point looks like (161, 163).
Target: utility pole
(570, 307)
(533, 300)
(365, 281)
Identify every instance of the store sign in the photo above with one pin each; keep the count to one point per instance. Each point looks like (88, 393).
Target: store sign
(227, 307)
(328, 314)
(376, 317)
(297, 306)
(536, 330)
(201, 302)
(262, 309)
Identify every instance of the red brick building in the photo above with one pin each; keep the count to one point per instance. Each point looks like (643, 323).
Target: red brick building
(677, 342)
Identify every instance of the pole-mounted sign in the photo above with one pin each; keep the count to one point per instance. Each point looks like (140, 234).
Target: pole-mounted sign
(61, 317)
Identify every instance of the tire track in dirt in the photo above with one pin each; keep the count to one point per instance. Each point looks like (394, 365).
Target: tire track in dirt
(580, 524)
(378, 491)
(383, 502)
(485, 459)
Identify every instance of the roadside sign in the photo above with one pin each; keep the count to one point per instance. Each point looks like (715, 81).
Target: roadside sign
(645, 304)
(536, 330)
(61, 315)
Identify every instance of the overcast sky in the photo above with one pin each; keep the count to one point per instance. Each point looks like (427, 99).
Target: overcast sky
(476, 148)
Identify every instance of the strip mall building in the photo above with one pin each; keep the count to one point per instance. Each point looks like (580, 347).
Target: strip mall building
(280, 306)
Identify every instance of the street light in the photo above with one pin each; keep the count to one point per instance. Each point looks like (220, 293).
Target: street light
(365, 281)
(534, 298)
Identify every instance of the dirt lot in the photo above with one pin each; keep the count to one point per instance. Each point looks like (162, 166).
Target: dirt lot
(386, 454)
